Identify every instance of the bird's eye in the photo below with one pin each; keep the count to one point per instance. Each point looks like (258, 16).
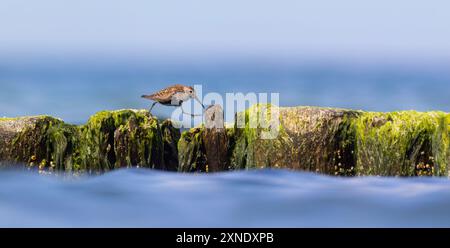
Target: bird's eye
(190, 91)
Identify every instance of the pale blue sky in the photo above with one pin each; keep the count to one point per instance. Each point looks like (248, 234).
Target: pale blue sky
(290, 27)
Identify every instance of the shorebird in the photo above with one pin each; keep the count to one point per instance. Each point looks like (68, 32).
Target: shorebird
(173, 95)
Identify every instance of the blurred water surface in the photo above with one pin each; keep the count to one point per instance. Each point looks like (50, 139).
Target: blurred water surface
(265, 198)
(75, 89)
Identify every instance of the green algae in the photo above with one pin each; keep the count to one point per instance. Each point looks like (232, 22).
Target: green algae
(191, 149)
(405, 143)
(41, 141)
(347, 143)
(109, 140)
(325, 140)
(9, 118)
(171, 137)
(307, 138)
(63, 142)
(251, 148)
(31, 144)
(123, 138)
(344, 154)
(322, 138)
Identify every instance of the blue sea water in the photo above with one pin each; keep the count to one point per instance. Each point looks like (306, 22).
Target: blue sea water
(74, 90)
(264, 198)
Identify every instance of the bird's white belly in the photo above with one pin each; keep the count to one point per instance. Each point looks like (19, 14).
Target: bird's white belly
(179, 98)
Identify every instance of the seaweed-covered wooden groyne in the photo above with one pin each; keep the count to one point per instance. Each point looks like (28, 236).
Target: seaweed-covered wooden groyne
(109, 140)
(324, 140)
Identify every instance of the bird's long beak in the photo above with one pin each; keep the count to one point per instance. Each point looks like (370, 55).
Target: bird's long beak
(198, 100)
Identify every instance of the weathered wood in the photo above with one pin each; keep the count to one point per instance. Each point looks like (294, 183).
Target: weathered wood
(205, 149)
(346, 142)
(191, 151)
(339, 142)
(324, 140)
(110, 140)
(215, 139)
(171, 136)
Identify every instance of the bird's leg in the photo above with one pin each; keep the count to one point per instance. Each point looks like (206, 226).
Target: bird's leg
(153, 105)
(192, 115)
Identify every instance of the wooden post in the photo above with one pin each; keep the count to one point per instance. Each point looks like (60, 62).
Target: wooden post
(215, 139)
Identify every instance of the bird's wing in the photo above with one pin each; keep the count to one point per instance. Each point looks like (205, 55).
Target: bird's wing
(165, 94)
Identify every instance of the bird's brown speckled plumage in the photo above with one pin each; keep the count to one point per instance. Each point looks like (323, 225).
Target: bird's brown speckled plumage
(173, 95)
(165, 95)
